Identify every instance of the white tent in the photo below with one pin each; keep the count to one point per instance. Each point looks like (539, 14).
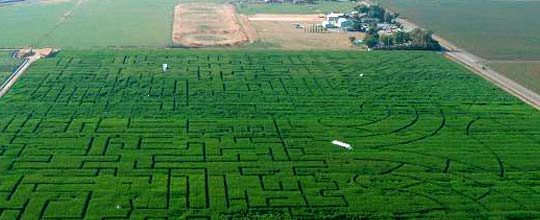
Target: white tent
(342, 144)
(165, 67)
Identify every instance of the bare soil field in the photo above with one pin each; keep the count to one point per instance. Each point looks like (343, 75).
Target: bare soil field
(204, 25)
(279, 31)
(526, 73)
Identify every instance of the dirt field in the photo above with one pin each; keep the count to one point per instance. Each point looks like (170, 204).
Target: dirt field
(526, 73)
(203, 25)
(279, 31)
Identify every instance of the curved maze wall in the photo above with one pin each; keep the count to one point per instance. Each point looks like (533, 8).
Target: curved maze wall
(230, 134)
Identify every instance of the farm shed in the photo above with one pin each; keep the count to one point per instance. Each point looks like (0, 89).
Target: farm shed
(369, 20)
(328, 24)
(334, 16)
(344, 23)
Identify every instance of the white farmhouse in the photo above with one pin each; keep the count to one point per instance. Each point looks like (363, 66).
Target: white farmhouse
(334, 16)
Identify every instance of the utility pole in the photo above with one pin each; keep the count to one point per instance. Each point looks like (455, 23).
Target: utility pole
(386, 32)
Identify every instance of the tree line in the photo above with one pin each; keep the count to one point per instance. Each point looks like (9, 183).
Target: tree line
(376, 11)
(417, 39)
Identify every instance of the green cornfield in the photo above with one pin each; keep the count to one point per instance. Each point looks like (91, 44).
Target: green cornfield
(232, 134)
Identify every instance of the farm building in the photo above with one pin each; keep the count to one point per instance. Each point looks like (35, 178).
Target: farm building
(334, 16)
(344, 23)
(339, 23)
(328, 24)
(369, 20)
(337, 20)
(384, 26)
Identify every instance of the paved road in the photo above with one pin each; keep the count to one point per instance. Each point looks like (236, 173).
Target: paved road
(476, 64)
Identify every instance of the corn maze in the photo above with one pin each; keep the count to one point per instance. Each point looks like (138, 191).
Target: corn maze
(243, 134)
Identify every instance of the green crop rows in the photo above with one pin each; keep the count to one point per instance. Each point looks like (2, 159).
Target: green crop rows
(225, 134)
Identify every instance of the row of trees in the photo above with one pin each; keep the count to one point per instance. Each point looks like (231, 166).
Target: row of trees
(376, 11)
(417, 39)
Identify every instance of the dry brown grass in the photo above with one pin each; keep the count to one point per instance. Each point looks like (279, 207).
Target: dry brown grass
(283, 35)
(201, 25)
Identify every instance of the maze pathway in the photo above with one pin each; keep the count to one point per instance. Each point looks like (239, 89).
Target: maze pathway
(233, 134)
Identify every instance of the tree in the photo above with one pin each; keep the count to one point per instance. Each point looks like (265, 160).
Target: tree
(372, 30)
(423, 39)
(375, 11)
(357, 26)
(361, 8)
(418, 37)
(387, 40)
(396, 15)
(401, 37)
(371, 40)
(388, 17)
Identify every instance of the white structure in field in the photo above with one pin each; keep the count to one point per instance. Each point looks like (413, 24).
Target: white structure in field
(334, 16)
(165, 67)
(342, 144)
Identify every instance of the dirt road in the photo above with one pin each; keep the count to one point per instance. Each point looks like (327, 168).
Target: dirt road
(4, 88)
(12, 79)
(477, 65)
